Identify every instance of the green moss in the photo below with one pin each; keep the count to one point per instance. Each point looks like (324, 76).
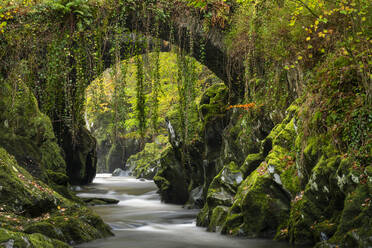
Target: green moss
(251, 162)
(300, 222)
(29, 134)
(282, 158)
(202, 218)
(315, 213)
(218, 217)
(286, 136)
(354, 229)
(312, 151)
(23, 240)
(58, 177)
(46, 229)
(20, 192)
(145, 163)
(291, 180)
(213, 103)
(36, 207)
(220, 196)
(260, 203)
(233, 224)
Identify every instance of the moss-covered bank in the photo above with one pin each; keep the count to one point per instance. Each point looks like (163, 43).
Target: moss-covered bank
(28, 205)
(37, 209)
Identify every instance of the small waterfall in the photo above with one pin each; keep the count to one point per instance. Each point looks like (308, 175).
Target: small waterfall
(173, 137)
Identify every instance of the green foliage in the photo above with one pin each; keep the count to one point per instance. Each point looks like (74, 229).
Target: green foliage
(186, 80)
(155, 92)
(78, 9)
(100, 95)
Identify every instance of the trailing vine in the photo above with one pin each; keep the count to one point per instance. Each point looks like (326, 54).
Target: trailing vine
(141, 99)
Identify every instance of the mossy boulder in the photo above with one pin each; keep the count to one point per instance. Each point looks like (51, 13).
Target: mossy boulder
(171, 179)
(29, 205)
(27, 134)
(213, 103)
(355, 229)
(335, 207)
(244, 133)
(259, 206)
(251, 162)
(145, 164)
(212, 107)
(220, 197)
(261, 203)
(20, 192)
(22, 240)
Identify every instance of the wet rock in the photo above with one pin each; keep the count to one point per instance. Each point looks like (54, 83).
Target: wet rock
(221, 196)
(196, 198)
(170, 178)
(251, 162)
(81, 156)
(92, 201)
(119, 172)
(258, 208)
(262, 201)
(146, 163)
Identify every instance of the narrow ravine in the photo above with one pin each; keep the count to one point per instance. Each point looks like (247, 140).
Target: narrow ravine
(141, 220)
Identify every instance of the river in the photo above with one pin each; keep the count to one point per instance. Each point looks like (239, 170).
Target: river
(141, 220)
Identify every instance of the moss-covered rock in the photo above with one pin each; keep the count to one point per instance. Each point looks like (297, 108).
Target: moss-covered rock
(145, 164)
(31, 206)
(27, 134)
(262, 202)
(21, 193)
(23, 240)
(354, 229)
(213, 103)
(251, 162)
(220, 196)
(81, 156)
(260, 206)
(171, 179)
(99, 201)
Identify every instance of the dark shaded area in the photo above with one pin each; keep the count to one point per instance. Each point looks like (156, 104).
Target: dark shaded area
(81, 157)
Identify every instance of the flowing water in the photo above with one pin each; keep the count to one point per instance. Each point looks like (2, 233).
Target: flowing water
(141, 220)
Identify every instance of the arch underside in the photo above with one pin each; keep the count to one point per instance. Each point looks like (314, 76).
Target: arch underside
(205, 47)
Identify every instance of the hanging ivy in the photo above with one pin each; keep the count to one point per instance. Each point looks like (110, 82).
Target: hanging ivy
(156, 87)
(141, 99)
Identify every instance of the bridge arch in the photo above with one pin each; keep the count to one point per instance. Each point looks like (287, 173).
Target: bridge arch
(206, 47)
